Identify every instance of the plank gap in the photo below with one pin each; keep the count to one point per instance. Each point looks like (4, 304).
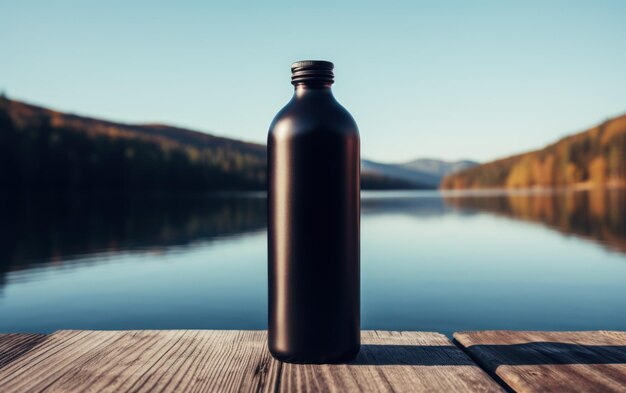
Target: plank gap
(484, 367)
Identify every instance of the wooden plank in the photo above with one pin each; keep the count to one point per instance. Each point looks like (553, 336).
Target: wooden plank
(551, 361)
(394, 362)
(14, 345)
(145, 361)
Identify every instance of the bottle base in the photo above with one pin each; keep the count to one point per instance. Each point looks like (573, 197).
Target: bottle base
(309, 358)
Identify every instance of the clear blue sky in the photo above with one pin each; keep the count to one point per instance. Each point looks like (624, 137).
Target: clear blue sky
(448, 79)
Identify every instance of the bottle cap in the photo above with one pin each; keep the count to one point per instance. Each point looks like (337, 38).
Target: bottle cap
(312, 72)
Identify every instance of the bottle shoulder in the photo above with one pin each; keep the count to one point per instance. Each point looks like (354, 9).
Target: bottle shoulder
(302, 116)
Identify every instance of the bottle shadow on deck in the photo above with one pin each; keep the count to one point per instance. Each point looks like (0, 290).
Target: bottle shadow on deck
(411, 355)
(547, 353)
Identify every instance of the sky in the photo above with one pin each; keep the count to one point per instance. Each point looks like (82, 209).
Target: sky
(445, 79)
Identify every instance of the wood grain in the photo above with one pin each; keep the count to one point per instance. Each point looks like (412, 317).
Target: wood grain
(394, 362)
(551, 361)
(14, 345)
(145, 361)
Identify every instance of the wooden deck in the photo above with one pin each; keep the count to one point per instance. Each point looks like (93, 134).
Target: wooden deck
(551, 361)
(225, 361)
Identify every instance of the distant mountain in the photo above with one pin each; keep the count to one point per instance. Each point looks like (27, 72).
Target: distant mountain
(594, 157)
(422, 173)
(439, 168)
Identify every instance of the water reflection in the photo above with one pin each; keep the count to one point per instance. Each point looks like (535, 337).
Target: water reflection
(430, 261)
(598, 215)
(419, 204)
(35, 231)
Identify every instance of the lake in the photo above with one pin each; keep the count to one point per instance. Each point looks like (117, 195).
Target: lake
(431, 261)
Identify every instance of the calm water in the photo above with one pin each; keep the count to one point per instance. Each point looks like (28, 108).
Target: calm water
(549, 260)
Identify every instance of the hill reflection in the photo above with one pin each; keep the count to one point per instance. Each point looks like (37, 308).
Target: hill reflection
(38, 231)
(597, 215)
(67, 230)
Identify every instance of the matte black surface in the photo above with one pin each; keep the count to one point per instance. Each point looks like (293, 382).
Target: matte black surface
(314, 274)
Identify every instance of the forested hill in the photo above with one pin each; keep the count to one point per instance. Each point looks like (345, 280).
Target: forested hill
(45, 150)
(595, 157)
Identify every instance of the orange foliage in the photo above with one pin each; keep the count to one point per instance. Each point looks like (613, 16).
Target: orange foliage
(595, 156)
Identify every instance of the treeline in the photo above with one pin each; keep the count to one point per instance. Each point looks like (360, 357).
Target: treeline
(44, 150)
(41, 149)
(375, 181)
(593, 157)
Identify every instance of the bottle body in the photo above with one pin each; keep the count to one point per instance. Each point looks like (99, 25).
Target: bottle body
(313, 230)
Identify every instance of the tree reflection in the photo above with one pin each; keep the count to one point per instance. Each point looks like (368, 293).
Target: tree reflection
(59, 229)
(598, 215)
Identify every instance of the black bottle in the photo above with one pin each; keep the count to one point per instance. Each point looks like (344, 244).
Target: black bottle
(314, 208)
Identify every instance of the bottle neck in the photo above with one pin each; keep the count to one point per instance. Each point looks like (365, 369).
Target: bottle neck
(302, 90)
